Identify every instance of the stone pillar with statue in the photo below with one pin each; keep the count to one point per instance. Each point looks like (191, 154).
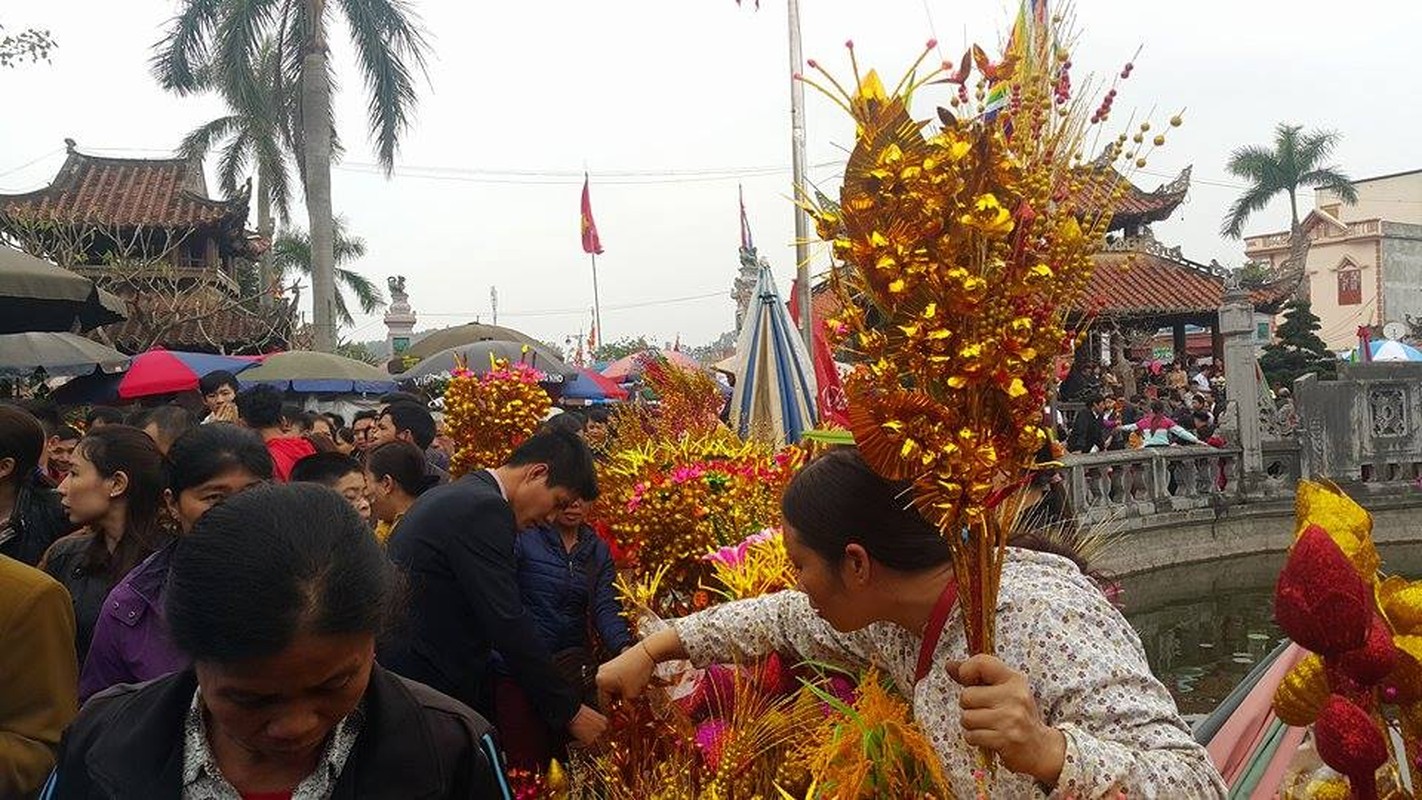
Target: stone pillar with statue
(1241, 416)
(399, 323)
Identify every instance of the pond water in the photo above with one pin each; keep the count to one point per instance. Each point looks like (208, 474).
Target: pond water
(1205, 625)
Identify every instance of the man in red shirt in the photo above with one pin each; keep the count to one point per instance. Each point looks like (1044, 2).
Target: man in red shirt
(259, 408)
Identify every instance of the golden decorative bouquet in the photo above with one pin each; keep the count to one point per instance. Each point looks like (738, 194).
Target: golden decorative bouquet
(489, 415)
(965, 246)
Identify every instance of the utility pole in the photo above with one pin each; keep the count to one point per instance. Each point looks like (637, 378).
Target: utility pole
(797, 154)
(494, 302)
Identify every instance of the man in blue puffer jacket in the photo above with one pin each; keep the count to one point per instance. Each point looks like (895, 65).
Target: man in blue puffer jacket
(565, 576)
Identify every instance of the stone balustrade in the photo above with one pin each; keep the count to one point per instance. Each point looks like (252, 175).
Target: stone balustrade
(1123, 485)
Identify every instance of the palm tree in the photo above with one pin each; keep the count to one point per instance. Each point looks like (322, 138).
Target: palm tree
(1296, 160)
(291, 254)
(252, 134)
(389, 46)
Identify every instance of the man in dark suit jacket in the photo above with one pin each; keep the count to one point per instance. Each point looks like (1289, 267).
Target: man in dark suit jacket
(1087, 429)
(456, 543)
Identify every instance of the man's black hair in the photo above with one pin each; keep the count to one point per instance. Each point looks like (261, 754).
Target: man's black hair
(414, 418)
(369, 413)
(390, 398)
(570, 462)
(68, 433)
(217, 379)
(599, 414)
(104, 414)
(567, 421)
(46, 412)
(170, 420)
(260, 406)
(337, 421)
(1203, 416)
(324, 468)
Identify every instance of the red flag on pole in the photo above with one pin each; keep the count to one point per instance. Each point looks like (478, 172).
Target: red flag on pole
(833, 402)
(591, 243)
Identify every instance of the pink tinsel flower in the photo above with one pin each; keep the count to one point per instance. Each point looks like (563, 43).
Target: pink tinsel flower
(711, 739)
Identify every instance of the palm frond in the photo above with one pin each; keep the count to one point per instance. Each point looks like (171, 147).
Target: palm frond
(1331, 178)
(342, 311)
(273, 169)
(179, 56)
(1246, 205)
(1314, 149)
(1253, 163)
(291, 252)
(367, 294)
(203, 139)
(238, 41)
(389, 44)
(1286, 147)
(348, 247)
(232, 164)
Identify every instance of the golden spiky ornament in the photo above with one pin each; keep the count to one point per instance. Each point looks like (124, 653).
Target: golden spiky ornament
(965, 244)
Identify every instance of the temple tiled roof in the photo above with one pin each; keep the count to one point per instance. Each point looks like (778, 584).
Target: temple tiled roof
(1139, 207)
(1139, 281)
(128, 192)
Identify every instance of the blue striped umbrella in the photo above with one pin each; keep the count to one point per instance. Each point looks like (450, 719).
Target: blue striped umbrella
(774, 397)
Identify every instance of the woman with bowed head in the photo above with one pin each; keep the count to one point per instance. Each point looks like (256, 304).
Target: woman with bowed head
(277, 596)
(1068, 703)
(396, 474)
(131, 642)
(115, 489)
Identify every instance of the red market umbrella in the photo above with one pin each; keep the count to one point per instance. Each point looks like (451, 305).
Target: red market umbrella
(168, 371)
(626, 366)
(590, 386)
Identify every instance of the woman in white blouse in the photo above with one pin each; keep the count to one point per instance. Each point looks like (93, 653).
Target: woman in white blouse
(1068, 703)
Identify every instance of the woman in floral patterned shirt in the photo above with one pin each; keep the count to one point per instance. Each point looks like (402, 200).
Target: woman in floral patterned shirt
(1068, 703)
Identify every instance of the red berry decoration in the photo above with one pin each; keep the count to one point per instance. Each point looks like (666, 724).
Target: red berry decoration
(1375, 660)
(1348, 741)
(1320, 601)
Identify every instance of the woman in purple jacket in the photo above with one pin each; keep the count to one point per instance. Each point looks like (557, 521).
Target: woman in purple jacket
(131, 642)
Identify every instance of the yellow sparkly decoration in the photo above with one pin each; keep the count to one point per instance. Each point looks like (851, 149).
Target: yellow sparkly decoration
(491, 414)
(965, 246)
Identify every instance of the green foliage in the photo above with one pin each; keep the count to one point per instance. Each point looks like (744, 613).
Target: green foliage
(359, 351)
(1297, 159)
(1297, 349)
(291, 255)
(29, 45)
(626, 346)
(1255, 274)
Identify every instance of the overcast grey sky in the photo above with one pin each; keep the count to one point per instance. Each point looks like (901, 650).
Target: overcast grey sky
(655, 96)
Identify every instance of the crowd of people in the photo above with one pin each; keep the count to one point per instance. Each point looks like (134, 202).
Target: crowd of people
(1171, 405)
(267, 604)
(257, 625)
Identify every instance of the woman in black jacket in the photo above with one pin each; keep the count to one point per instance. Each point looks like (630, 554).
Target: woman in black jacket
(277, 595)
(115, 489)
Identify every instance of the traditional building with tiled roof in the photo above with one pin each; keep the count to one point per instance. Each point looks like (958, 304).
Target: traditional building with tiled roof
(148, 230)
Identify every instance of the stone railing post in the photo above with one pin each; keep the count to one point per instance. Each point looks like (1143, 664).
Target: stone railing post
(1242, 386)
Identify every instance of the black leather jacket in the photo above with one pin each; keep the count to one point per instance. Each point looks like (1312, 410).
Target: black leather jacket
(416, 743)
(37, 521)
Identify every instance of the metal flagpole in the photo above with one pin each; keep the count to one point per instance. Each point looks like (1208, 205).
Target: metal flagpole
(797, 142)
(597, 304)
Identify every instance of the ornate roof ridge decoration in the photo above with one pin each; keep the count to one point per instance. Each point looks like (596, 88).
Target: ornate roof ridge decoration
(129, 192)
(1136, 206)
(1148, 244)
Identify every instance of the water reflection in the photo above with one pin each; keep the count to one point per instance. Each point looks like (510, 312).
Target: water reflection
(1205, 625)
